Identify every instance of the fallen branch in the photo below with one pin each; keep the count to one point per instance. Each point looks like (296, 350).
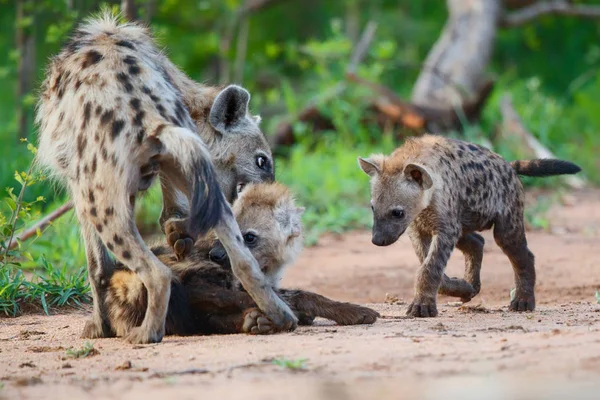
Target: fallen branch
(513, 125)
(41, 224)
(541, 8)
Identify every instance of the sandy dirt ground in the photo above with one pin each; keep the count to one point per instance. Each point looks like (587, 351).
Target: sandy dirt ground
(479, 350)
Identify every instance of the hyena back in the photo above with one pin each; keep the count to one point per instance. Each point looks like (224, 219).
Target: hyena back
(442, 191)
(206, 298)
(113, 114)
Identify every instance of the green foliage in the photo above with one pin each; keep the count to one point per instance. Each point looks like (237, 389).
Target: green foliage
(293, 365)
(86, 351)
(597, 297)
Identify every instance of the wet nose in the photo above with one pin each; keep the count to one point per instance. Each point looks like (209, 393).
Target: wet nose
(218, 255)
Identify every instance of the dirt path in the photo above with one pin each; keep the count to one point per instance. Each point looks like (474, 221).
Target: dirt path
(480, 348)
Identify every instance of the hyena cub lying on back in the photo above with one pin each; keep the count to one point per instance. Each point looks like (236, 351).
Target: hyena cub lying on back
(443, 190)
(206, 298)
(114, 113)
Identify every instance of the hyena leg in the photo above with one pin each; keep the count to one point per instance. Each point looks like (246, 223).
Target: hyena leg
(100, 268)
(430, 275)
(454, 287)
(115, 225)
(247, 270)
(313, 305)
(510, 236)
(471, 245)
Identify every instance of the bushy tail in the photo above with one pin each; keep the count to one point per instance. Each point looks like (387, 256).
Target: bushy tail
(544, 167)
(207, 202)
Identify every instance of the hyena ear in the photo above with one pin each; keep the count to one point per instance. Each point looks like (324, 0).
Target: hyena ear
(228, 112)
(371, 166)
(419, 174)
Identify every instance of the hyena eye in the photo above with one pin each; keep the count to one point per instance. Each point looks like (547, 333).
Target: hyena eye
(261, 162)
(250, 239)
(398, 213)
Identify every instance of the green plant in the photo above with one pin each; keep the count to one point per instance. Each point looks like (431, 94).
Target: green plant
(86, 351)
(597, 296)
(294, 365)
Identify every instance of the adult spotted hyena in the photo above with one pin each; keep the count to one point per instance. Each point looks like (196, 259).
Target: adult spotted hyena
(443, 190)
(114, 113)
(205, 296)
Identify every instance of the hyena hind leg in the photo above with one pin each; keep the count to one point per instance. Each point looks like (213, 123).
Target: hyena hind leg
(510, 236)
(100, 268)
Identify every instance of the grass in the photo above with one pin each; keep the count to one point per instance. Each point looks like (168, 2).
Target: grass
(598, 297)
(46, 289)
(86, 351)
(293, 365)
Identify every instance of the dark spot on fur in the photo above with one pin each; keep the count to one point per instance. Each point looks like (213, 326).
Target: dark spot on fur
(61, 117)
(118, 240)
(140, 136)
(85, 170)
(134, 69)
(154, 98)
(125, 43)
(146, 89)
(117, 127)
(109, 211)
(94, 164)
(127, 255)
(104, 154)
(107, 117)
(91, 197)
(124, 80)
(81, 144)
(90, 58)
(110, 246)
(94, 212)
(474, 148)
(99, 228)
(161, 111)
(87, 110)
(135, 103)
(130, 60)
(139, 118)
(98, 110)
(77, 85)
(460, 154)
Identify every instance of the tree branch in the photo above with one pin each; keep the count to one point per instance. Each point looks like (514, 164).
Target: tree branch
(555, 7)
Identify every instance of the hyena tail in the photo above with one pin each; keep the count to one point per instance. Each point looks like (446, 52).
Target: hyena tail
(544, 167)
(207, 202)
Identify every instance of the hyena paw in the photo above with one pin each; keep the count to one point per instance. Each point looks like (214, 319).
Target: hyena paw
(257, 323)
(95, 330)
(522, 302)
(422, 308)
(305, 319)
(353, 314)
(457, 287)
(178, 237)
(140, 335)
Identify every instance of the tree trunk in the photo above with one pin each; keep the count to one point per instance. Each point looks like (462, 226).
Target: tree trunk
(129, 10)
(26, 65)
(453, 73)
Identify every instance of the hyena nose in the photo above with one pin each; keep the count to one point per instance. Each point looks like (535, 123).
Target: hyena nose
(218, 255)
(379, 240)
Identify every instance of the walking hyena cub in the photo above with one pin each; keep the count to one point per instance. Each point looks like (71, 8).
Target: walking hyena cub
(205, 296)
(114, 113)
(443, 190)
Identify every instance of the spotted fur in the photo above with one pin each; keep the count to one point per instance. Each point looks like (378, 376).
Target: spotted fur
(441, 191)
(206, 297)
(113, 114)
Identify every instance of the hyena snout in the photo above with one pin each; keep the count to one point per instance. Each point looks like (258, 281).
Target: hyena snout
(386, 234)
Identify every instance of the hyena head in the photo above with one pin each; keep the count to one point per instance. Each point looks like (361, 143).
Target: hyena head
(238, 147)
(271, 226)
(399, 192)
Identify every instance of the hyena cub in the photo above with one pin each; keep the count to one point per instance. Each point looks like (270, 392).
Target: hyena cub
(206, 298)
(114, 113)
(443, 190)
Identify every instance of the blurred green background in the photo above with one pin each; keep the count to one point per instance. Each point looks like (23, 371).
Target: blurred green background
(296, 51)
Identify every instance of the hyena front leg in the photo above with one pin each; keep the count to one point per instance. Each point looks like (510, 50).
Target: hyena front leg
(454, 287)
(100, 268)
(247, 270)
(430, 275)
